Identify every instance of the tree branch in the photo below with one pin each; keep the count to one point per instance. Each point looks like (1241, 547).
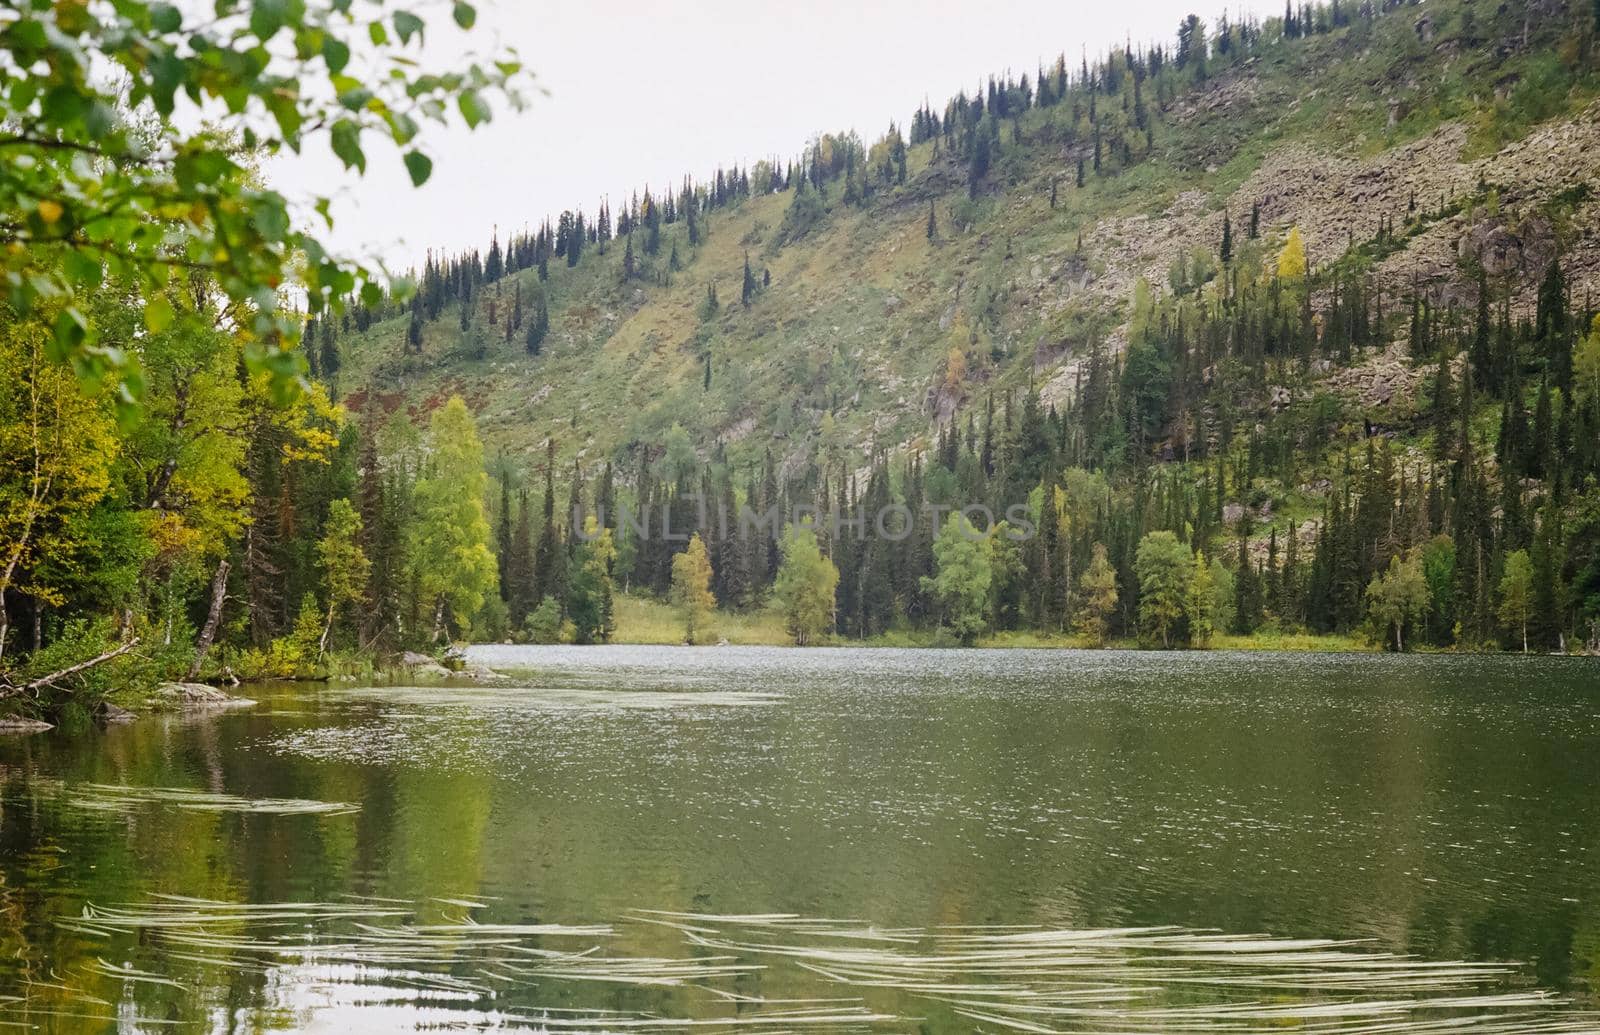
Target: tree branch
(72, 670)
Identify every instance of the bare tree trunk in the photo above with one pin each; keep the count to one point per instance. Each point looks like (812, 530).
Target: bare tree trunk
(327, 628)
(219, 593)
(438, 620)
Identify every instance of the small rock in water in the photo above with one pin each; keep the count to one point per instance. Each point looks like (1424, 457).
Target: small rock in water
(110, 713)
(10, 724)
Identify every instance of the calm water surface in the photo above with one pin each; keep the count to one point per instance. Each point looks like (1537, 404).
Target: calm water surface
(959, 841)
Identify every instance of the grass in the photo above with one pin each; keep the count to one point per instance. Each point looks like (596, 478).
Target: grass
(641, 620)
(646, 621)
(1273, 639)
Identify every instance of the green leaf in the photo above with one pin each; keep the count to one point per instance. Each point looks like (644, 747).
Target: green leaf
(346, 137)
(465, 15)
(403, 127)
(335, 54)
(287, 113)
(420, 166)
(157, 314)
(64, 104)
(165, 18)
(355, 100)
(377, 34)
(82, 270)
(266, 18)
(71, 331)
(473, 109)
(407, 25)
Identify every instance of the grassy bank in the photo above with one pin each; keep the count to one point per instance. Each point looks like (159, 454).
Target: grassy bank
(641, 620)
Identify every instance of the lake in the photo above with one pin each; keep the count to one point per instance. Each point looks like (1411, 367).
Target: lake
(746, 839)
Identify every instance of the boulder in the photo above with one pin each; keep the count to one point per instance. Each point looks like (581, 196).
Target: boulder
(112, 714)
(187, 696)
(422, 665)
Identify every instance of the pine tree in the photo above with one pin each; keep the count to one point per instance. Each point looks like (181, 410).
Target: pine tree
(1247, 581)
(538, 327)
(1226, 250)
(748, 291)
(933, 225)
(549, 555)
(1551, 325)
(503, 531)
(328, 352)
(1545, 621)
(1444, 409)
(520, 594)
(1481, 354)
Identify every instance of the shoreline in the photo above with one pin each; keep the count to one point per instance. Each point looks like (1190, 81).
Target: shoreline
(1233, 645)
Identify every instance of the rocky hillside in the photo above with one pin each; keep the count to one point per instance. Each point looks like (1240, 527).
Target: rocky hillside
(1418, 145)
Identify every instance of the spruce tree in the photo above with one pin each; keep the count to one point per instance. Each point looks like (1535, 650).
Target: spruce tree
(503, 531)
(1546, 625)
(1481, 352)
(1247, 582)
(575, 242)
(549, 556)
(520, 564)
(538, 327)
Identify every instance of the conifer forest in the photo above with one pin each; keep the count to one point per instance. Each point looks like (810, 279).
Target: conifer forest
(1151, 347)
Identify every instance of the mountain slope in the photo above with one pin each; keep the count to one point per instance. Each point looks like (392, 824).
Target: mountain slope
(1468, 127)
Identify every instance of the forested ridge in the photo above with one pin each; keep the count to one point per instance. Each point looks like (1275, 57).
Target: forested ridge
(1283, 327)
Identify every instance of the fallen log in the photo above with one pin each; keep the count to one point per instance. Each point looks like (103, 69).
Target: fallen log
(34, 686)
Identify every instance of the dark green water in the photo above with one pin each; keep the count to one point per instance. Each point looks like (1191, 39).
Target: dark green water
(1444, 808)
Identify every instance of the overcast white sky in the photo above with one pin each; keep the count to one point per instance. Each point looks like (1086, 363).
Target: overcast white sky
(645, 92)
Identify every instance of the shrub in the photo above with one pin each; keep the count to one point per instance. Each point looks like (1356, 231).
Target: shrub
(544, 625)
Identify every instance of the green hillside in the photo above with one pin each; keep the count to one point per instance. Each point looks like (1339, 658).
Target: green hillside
(1386, 119)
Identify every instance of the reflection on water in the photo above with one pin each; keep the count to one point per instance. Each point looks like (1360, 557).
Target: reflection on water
(1024, 841)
